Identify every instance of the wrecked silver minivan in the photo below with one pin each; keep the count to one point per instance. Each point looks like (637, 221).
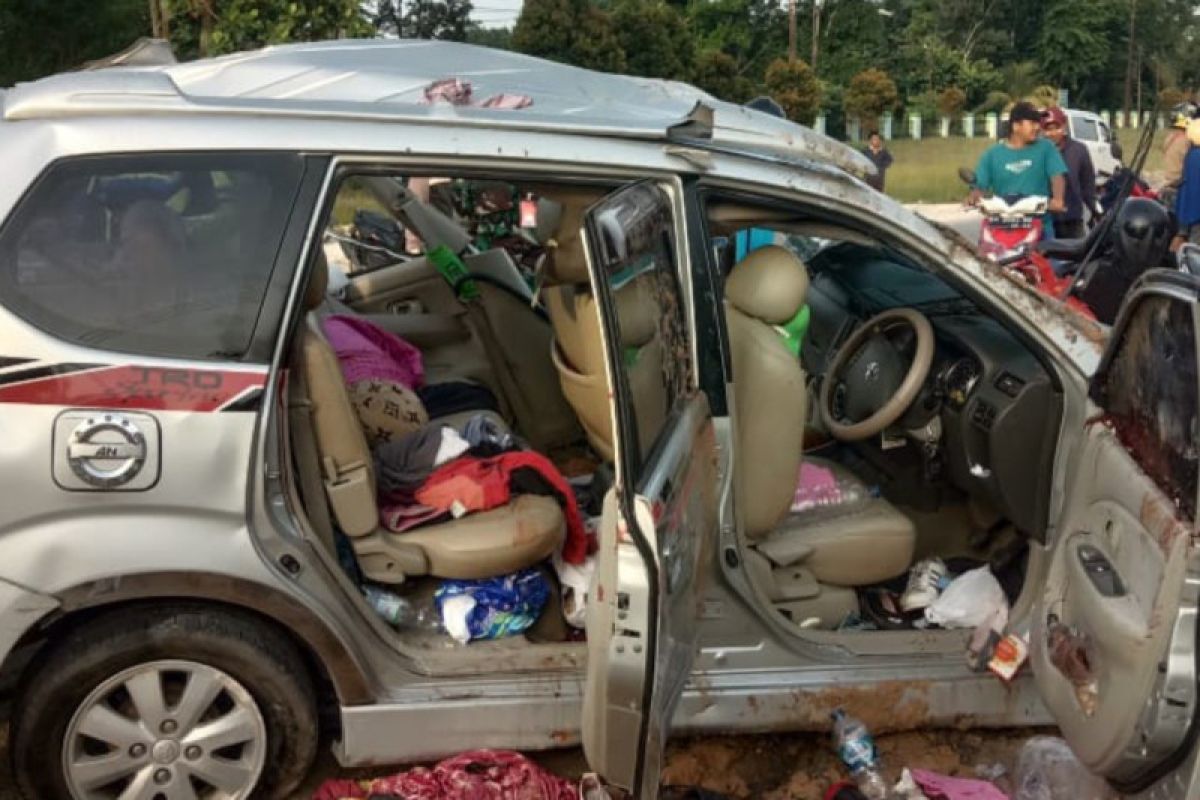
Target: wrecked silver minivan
(691, 358)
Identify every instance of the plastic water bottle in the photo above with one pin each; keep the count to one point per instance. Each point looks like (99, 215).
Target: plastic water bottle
(397, 611)
(857, 751)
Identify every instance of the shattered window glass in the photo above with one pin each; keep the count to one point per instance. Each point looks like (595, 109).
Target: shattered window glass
(638, 255)
(1149, 395)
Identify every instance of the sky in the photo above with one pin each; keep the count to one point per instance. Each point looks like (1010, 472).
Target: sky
(496, 13)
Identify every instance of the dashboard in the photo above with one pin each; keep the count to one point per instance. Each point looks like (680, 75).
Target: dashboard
(998, 405)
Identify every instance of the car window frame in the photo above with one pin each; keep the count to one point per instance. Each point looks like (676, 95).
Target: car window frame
(1175, 287)
(261, 339)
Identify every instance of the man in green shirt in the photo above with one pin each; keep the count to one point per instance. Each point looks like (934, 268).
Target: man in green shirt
(1023, 164)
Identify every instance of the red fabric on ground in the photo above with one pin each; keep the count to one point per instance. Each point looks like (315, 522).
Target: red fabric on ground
(474, 775)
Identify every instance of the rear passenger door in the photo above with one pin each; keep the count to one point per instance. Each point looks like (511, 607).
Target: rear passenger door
(659, 521)
(1114, 638)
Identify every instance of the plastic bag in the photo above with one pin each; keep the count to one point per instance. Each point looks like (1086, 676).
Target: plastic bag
(576, 580)
(1048, 770)
(493, 607)
(971, 599)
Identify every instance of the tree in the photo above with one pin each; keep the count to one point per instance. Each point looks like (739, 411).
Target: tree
(716, 73)
(794, 85)
(871, 94)
(498, 38)
(1074, 44)
(212, 27)
(655, 39)
(569, 31)
(38, 37)
(951, 101)
(751, 32)
(424, 19)
(1170, 97)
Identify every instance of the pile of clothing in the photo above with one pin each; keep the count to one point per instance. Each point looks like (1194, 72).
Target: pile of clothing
(493, 774)
(428, 472)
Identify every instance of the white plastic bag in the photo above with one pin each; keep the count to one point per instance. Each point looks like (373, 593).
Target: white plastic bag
(970, 600)
(1048, 770)
(576, 581)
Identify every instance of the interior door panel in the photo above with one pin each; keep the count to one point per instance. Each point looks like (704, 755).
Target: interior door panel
(1113, 643)
(1125, 628)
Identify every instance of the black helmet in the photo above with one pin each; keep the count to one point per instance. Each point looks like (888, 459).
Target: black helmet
(1141, 235)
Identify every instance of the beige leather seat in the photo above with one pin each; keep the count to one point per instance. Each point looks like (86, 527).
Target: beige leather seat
(526, 531)
(802, 562)
(578, 350)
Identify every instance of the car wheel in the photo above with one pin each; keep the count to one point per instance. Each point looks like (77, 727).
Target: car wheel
(159, 704)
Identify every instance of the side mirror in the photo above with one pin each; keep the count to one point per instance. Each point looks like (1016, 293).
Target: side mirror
(967, 176)
(1188, 258)
(1117, 151)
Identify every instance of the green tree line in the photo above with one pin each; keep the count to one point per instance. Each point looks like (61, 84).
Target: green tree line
(861, 58)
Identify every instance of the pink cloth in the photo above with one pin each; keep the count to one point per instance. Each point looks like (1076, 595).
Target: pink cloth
(458, 92)
(475, 775)
(366, 351)
(943, 787)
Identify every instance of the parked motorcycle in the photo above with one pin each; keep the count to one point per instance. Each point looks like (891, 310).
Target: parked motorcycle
(1011, 235)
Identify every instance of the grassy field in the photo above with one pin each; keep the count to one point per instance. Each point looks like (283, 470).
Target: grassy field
(926, 171)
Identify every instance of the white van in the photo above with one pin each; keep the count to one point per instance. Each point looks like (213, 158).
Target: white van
(1094, 132)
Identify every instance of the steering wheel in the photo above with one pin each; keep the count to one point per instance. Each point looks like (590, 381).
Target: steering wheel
(876, 374)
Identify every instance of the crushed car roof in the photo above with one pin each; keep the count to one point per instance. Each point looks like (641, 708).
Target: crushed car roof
(386, 80)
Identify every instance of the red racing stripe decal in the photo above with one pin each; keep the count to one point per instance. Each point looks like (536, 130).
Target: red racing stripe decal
(142, 388)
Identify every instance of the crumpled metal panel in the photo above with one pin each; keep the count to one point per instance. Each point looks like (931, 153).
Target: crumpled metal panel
(387, 78)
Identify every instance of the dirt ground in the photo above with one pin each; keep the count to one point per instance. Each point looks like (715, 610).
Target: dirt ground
(778, 767)
(803, 766)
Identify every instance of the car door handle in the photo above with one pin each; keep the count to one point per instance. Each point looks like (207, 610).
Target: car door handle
(1100, 571)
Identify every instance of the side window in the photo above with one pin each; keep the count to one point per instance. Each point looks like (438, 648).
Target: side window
(1085, 129)
(1148, 391)
(155, 254)
(639, 258)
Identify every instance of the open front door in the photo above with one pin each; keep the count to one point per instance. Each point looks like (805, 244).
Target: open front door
(1114, 638)
(659, 522)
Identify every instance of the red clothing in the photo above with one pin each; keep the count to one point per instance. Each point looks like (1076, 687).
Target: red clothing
(479, 484)
(476, 775)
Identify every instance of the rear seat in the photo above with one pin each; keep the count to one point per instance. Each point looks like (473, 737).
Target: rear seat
(520, 534)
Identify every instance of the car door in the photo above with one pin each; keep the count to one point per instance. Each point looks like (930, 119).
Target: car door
(659, 520)
(1113, 644)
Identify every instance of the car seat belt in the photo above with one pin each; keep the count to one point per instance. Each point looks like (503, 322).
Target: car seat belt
(308, 463)
(451, 267)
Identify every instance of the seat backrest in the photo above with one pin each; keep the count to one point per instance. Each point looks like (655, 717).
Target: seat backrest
(341, 444)
(578, 348)
(767, 288)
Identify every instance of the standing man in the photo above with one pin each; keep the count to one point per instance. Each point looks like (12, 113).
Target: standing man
(1175, 150)
(1081, 176)
(1023, 164)
(880, 157)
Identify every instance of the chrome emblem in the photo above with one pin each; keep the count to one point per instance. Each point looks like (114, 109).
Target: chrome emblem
(106, 451)
(872, 373)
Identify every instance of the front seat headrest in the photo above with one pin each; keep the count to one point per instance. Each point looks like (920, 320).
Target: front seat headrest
(318, 282)
(770, 284)
(567, 262)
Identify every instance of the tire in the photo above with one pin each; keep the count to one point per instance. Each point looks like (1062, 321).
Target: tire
(255, 671)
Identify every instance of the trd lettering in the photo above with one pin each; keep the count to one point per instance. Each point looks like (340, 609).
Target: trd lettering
(181, 378)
